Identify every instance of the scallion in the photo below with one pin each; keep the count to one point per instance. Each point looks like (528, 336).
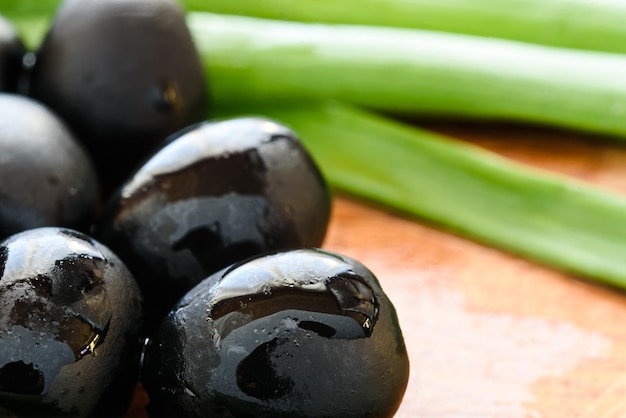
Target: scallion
(553, 219)
(31, 18)
(410, 71)
(587, 24)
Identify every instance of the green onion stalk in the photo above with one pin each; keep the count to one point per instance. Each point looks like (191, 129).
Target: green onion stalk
(408, 71)
(586, 24)
(31, 18)
(552, 219)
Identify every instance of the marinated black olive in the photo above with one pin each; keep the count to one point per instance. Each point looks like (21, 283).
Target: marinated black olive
(46, 178)
(70, 317)
(11, 52)
(123, 74)
(300, 333)
(216, 193)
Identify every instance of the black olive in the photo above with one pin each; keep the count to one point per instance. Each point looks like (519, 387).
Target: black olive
(70, 317)
(301, 333)
(123, 74)
(11, 52)
(218, 192)
(46, 178)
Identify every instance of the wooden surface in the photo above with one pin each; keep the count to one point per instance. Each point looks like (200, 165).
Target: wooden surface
(491, 335)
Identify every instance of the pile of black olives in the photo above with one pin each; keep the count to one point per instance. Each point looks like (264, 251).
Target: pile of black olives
(142, 242)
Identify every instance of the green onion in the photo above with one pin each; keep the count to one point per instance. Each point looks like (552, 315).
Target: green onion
(587, 24)
(31, 29)
(31, 18)
(410, 71)
(549, 218)
(28, 8)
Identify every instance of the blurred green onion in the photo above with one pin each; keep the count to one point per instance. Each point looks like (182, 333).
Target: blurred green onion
(552, 219)
(252, 60)
(31, 18)
(586, 24)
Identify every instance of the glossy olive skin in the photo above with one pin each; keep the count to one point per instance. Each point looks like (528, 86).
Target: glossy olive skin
(123, 74)
(11, 52)
(217, 193)
(46, 177)
(70, 317)
(302, 333)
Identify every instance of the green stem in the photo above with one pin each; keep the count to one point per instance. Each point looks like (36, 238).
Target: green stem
(410, 71)
(587, 24)
(31, 18)
(28, 8)
(549, 218)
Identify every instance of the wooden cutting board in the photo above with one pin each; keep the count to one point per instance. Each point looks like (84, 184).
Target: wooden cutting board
(491, 335)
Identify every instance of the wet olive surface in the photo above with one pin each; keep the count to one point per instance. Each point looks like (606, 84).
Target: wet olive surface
(217, 193)
(11, 51)
(124, 75)
(296, 333)
(46, 177)
(70, 319)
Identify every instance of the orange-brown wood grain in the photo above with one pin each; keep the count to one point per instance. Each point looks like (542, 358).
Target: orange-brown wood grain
(491, 335)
